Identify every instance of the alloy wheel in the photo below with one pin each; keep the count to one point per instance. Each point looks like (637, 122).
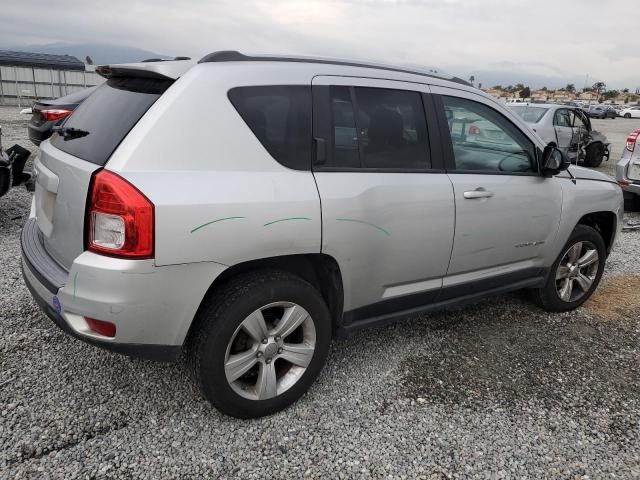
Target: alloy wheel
(577, 271)
(270, 350)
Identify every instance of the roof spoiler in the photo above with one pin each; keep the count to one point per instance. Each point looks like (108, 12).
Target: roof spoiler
(159, 70)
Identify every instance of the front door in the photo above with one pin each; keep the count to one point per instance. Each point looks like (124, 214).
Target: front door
(505, 211)
(563, 127)
(387, 205)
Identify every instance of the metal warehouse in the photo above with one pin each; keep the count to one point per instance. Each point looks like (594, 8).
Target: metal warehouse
(25, 76)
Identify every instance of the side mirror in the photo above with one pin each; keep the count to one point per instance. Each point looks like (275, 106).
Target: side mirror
(553, 160)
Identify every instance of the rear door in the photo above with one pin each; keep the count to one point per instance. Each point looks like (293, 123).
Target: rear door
(67, 162)
(505, 211)
(387, 205)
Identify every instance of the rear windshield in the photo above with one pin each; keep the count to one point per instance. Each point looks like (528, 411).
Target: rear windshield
(107, 115)
(530, 114)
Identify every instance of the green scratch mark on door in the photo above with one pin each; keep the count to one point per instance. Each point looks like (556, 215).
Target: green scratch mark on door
(353, 220)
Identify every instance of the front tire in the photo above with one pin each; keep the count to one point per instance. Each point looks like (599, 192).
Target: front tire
(576, 272)
(259, 343)
(594, 156)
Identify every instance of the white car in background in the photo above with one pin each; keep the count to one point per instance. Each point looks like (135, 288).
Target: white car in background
(630, 112)
(567, 128)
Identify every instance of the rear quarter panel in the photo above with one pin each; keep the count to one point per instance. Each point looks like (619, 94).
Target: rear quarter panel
(218, 194)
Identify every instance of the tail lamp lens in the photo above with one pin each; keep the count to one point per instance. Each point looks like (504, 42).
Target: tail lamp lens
(120, 218)
(51, 114)
(631, 140)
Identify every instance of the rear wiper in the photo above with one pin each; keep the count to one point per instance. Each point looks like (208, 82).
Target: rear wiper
(69, 133)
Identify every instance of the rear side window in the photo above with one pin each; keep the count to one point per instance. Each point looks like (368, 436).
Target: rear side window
(280, 117)
(107, 115)
(376, 128)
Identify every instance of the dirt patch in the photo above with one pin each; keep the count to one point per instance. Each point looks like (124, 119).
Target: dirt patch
(615, 297)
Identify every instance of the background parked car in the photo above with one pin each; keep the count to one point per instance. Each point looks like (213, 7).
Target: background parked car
(48, 113)
(628, 172)
(630, 112)
(602, 111)
(569, 129)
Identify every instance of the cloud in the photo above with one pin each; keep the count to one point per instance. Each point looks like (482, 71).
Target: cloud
(548, 38)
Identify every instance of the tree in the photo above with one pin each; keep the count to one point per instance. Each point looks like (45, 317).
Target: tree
(471, 79)
(610, 94)
(625, 90)
(525, 92)
(519, 86)
(497, 87)
(571, 88)
(599, 87)
(544, 89)
(88, 60)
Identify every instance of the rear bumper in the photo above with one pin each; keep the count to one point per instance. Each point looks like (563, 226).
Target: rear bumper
(39, 133)
(152, 307)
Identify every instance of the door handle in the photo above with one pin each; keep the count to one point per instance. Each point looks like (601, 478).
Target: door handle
(477, 193)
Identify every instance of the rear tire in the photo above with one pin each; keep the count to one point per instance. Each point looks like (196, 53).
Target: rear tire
(584, 240)
(594, 156)
(627, 115)
(225, 342)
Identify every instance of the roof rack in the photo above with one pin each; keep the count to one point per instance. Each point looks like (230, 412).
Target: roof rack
(235, 56)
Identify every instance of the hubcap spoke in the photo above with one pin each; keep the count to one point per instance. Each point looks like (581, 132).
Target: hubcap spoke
(239, 364)
(588, 258)
(574, 252)
(584, 282)
(567, 288)
(563, 272)
(298, 353)
(266, 386)
(292, 319)
(255, 326)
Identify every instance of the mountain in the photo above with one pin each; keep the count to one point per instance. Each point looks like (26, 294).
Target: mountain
(99, 53)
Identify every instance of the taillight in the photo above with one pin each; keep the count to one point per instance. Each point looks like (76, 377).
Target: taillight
(631, 140)
(120, 218)
(50, 114)
(473, 130)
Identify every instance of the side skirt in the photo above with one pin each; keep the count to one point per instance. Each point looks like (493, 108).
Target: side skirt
(448, 297)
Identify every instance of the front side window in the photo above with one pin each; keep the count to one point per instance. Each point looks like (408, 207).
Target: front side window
(562, 118)
(377, 128)
(280, 117)
(485, 141)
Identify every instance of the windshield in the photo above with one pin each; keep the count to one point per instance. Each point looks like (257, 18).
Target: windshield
(530, 114)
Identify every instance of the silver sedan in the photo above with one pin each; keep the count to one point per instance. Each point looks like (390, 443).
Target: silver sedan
(567, 128)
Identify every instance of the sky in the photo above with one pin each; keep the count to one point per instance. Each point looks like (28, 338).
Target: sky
(546, 42)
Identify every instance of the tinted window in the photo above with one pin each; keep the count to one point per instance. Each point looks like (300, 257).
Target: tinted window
(484, 140)
(280, 117)
(108, 114)
(389, 130)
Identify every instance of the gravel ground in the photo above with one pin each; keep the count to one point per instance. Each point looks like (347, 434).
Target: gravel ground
(495, 390)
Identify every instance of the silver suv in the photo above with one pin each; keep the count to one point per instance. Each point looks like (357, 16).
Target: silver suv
(245, 209)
